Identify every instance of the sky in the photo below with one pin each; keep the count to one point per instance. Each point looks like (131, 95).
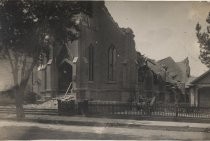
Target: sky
(164, 29)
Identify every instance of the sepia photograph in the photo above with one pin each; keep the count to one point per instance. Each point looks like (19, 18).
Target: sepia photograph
(104, 70)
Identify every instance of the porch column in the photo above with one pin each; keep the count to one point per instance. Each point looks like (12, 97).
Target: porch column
(192, 97)
(43, 81)
(48, 81)
(196, 97)
(74, 77)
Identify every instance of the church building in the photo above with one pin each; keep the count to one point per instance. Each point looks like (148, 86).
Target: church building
(99, 65)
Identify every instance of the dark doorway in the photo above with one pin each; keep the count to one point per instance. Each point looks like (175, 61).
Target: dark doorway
(64, 76)
(204, 97)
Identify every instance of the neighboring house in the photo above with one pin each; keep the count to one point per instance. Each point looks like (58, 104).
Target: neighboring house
(7, 83)
(100, 65)
(164, 86)
(6, 80)
(188, 87)
(179, 72)
(185, 69)
(172, 68)
(164, 79)
(199, 90)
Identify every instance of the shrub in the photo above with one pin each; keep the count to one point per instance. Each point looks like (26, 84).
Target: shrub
(31, 97)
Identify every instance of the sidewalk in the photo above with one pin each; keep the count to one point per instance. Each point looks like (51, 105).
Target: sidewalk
(92, 121)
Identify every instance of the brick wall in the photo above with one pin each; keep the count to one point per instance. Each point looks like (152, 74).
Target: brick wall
(102, 32)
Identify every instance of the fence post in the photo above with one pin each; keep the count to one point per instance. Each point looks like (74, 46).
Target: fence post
(177, 110)
(59, 107)
(79, 107)
(149, 110)
(85, 106)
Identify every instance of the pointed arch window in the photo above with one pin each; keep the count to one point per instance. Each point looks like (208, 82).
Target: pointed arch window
(112, 56)
(91, 62)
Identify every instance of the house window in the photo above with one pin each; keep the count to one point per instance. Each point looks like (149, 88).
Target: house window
(91, 61)
(111, 63)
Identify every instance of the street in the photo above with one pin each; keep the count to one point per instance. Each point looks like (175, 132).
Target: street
(12, 130)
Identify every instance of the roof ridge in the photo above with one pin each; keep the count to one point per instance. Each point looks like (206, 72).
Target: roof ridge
(165, 58)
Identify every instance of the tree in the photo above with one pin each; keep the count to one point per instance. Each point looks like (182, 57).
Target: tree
(204, 41)
(24, 28)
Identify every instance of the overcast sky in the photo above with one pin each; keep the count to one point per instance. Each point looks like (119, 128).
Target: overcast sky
(164, 29)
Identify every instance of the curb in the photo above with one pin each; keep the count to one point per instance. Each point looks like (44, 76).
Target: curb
(109, 124)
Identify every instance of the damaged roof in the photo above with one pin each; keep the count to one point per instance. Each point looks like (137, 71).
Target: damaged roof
(179, 71)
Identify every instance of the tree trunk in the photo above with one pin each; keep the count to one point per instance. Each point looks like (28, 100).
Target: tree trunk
(18, 97)
(20, 90)
(19, 103)
(17, 91)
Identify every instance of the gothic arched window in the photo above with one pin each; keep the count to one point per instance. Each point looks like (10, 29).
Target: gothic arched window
(91, 62)
(111, 63)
